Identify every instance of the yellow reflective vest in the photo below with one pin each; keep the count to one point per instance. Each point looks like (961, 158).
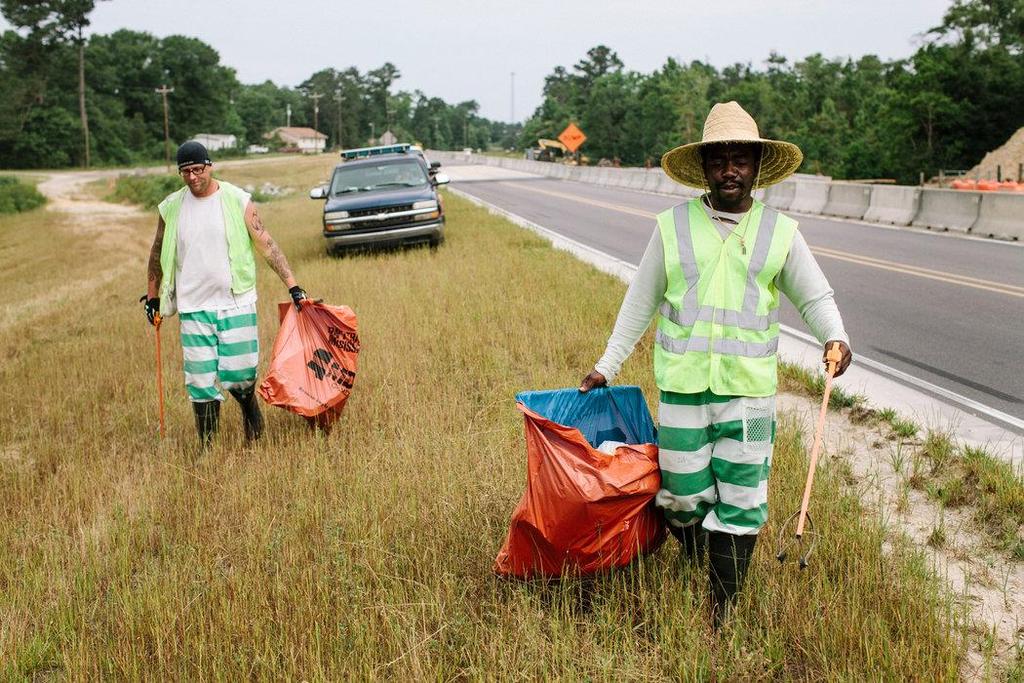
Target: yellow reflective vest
(240, 253)
(718, 327)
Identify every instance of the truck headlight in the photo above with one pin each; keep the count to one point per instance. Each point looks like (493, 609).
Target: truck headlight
(428, 204)
(335, 215)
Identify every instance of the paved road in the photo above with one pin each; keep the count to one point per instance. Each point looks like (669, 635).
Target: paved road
(945, 309)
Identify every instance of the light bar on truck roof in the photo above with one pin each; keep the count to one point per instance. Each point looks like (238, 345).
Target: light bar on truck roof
(364, 152)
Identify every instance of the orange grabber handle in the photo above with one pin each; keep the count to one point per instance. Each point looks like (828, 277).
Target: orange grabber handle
(157, 319)
(832, 359)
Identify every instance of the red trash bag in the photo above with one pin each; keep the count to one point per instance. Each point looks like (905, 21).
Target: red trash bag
(313, 364)
(584, 510)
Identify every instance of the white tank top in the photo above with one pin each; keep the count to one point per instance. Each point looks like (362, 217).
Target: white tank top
(203, 277)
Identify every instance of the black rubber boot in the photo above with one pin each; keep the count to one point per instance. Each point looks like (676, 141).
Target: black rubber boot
(252, 419)
(730, 558)
(207, 419)
(692, 539)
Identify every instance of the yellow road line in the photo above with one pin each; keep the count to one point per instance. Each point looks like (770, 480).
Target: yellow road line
(999, 289)
(918, 270)
(860, 259)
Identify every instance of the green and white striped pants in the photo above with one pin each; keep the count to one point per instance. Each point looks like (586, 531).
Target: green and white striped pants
(219, 346)
(715, 453)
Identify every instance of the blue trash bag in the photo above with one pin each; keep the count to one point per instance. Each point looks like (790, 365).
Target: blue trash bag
(616, 413)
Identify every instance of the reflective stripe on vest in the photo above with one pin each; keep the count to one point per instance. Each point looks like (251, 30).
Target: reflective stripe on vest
(719, 322)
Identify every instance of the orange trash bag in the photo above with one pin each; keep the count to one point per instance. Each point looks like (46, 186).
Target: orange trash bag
(585, 509)
(313, 364)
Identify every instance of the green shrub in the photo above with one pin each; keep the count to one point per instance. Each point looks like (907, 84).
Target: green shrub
(16, 196)
(147, 190)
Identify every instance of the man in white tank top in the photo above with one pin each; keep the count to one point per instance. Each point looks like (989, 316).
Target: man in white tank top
(205, 270)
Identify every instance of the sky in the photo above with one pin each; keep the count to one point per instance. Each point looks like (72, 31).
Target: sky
(464, 49)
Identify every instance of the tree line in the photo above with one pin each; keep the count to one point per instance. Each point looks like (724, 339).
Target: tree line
(956, 98)
(68, 100)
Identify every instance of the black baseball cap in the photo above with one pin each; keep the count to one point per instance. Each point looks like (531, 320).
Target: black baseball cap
(191, 153)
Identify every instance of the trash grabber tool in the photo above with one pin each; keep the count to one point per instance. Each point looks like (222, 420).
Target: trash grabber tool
(832, 359)
(159, 373)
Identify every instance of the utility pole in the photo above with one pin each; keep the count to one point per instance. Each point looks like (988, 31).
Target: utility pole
(512, 101)
(81, 93)
(163, 90)
(288, 113)
(337, 98)
(316, 109)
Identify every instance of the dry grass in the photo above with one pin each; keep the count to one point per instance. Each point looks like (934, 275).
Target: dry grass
(367, 553)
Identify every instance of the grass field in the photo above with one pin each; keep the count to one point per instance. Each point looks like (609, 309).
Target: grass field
(367, 553)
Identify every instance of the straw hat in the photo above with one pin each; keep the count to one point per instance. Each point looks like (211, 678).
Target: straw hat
(728, 122)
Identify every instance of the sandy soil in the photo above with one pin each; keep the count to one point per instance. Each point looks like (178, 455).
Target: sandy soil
(989, 583)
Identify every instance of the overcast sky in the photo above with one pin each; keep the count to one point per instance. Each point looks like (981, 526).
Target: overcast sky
(467, 49)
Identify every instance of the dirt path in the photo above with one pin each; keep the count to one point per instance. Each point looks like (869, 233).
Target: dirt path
(112, 227)
(989, 583)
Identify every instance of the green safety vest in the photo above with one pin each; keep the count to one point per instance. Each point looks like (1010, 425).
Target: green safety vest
(718, 327)
(240, 255)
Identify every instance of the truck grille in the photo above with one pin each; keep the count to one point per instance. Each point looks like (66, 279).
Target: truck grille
(373, 223)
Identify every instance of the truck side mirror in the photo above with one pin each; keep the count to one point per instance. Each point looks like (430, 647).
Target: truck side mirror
(318, 192)
(442, 179)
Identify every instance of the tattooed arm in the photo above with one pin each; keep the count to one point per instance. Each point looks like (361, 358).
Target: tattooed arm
(267, 246)
(155, 273)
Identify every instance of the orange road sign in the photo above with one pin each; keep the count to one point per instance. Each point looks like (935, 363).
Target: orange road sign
(572, 137)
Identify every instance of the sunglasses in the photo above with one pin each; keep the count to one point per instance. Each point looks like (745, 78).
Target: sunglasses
(192, 170)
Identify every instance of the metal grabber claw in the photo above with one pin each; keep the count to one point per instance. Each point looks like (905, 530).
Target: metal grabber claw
(806, 545)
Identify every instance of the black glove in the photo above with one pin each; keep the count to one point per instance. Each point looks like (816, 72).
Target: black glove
(152, 308)
(298, 296)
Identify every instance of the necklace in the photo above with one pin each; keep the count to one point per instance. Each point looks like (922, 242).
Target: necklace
(732, 231)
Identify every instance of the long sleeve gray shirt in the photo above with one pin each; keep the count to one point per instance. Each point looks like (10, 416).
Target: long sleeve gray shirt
(800, 279)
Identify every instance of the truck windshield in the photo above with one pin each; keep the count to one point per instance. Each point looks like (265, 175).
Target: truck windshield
(366, 177)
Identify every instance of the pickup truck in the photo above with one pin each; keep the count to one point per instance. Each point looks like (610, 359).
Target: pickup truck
(382, 196)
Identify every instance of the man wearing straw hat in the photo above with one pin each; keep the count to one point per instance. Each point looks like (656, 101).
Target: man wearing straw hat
(712, 272)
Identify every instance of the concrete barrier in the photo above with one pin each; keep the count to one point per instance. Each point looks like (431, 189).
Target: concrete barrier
(634, 178)
(809, 196)
(1001, 215)
(895, 204)
(848, 200)
(780, 195)
(651, 180)
(948, 210)
(668, 186)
